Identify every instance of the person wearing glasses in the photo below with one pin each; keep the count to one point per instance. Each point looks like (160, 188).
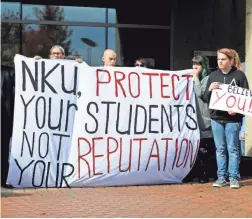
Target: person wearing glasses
(141, 62)
(57, 52)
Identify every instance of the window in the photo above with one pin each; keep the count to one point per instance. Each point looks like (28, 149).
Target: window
(65, 25)
(132, 43)
(87, 43)
(64, 13)
(10, 35)
(140, 12)
(10, 10)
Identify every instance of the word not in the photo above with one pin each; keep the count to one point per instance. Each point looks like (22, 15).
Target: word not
(38, 145)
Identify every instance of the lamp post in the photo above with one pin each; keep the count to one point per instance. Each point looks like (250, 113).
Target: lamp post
(91, 44)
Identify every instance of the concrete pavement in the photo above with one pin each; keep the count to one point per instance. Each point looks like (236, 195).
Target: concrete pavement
(183, 200)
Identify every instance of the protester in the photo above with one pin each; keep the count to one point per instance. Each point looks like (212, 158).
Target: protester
(7, 110)
(202, 168)
(144, 62)
(109, 57)
(141, 62)
(226, 125)
(57, 52)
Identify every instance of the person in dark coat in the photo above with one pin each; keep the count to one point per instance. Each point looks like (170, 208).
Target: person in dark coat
(7, 109)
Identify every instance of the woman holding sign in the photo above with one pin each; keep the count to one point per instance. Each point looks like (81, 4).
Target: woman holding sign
(226, 125)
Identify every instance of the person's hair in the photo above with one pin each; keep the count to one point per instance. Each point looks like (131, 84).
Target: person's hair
(237, 61)
(59, 47)
(142, 60)
(204, 62)
(228, 52)
(232, 55)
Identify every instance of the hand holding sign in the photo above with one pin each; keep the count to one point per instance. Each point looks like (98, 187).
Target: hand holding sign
(232, 99)
(214, 85)
(231, 113)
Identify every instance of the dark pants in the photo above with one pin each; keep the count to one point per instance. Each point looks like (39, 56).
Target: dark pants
(205, 165)
(4, 159)
(6, 132)
(7, 108)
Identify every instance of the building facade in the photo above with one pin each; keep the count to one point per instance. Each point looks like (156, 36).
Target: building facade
(86, 30)
(168, 32)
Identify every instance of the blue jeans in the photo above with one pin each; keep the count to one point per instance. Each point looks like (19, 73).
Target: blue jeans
(242, 147)
(226, 139)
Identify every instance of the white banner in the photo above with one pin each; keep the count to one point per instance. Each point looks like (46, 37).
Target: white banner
(77, 126)
(232, 98)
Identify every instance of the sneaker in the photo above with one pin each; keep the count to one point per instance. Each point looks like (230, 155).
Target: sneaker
(234, 184)
(220, 182)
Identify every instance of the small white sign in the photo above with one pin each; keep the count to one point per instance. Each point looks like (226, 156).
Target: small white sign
(232, 98)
